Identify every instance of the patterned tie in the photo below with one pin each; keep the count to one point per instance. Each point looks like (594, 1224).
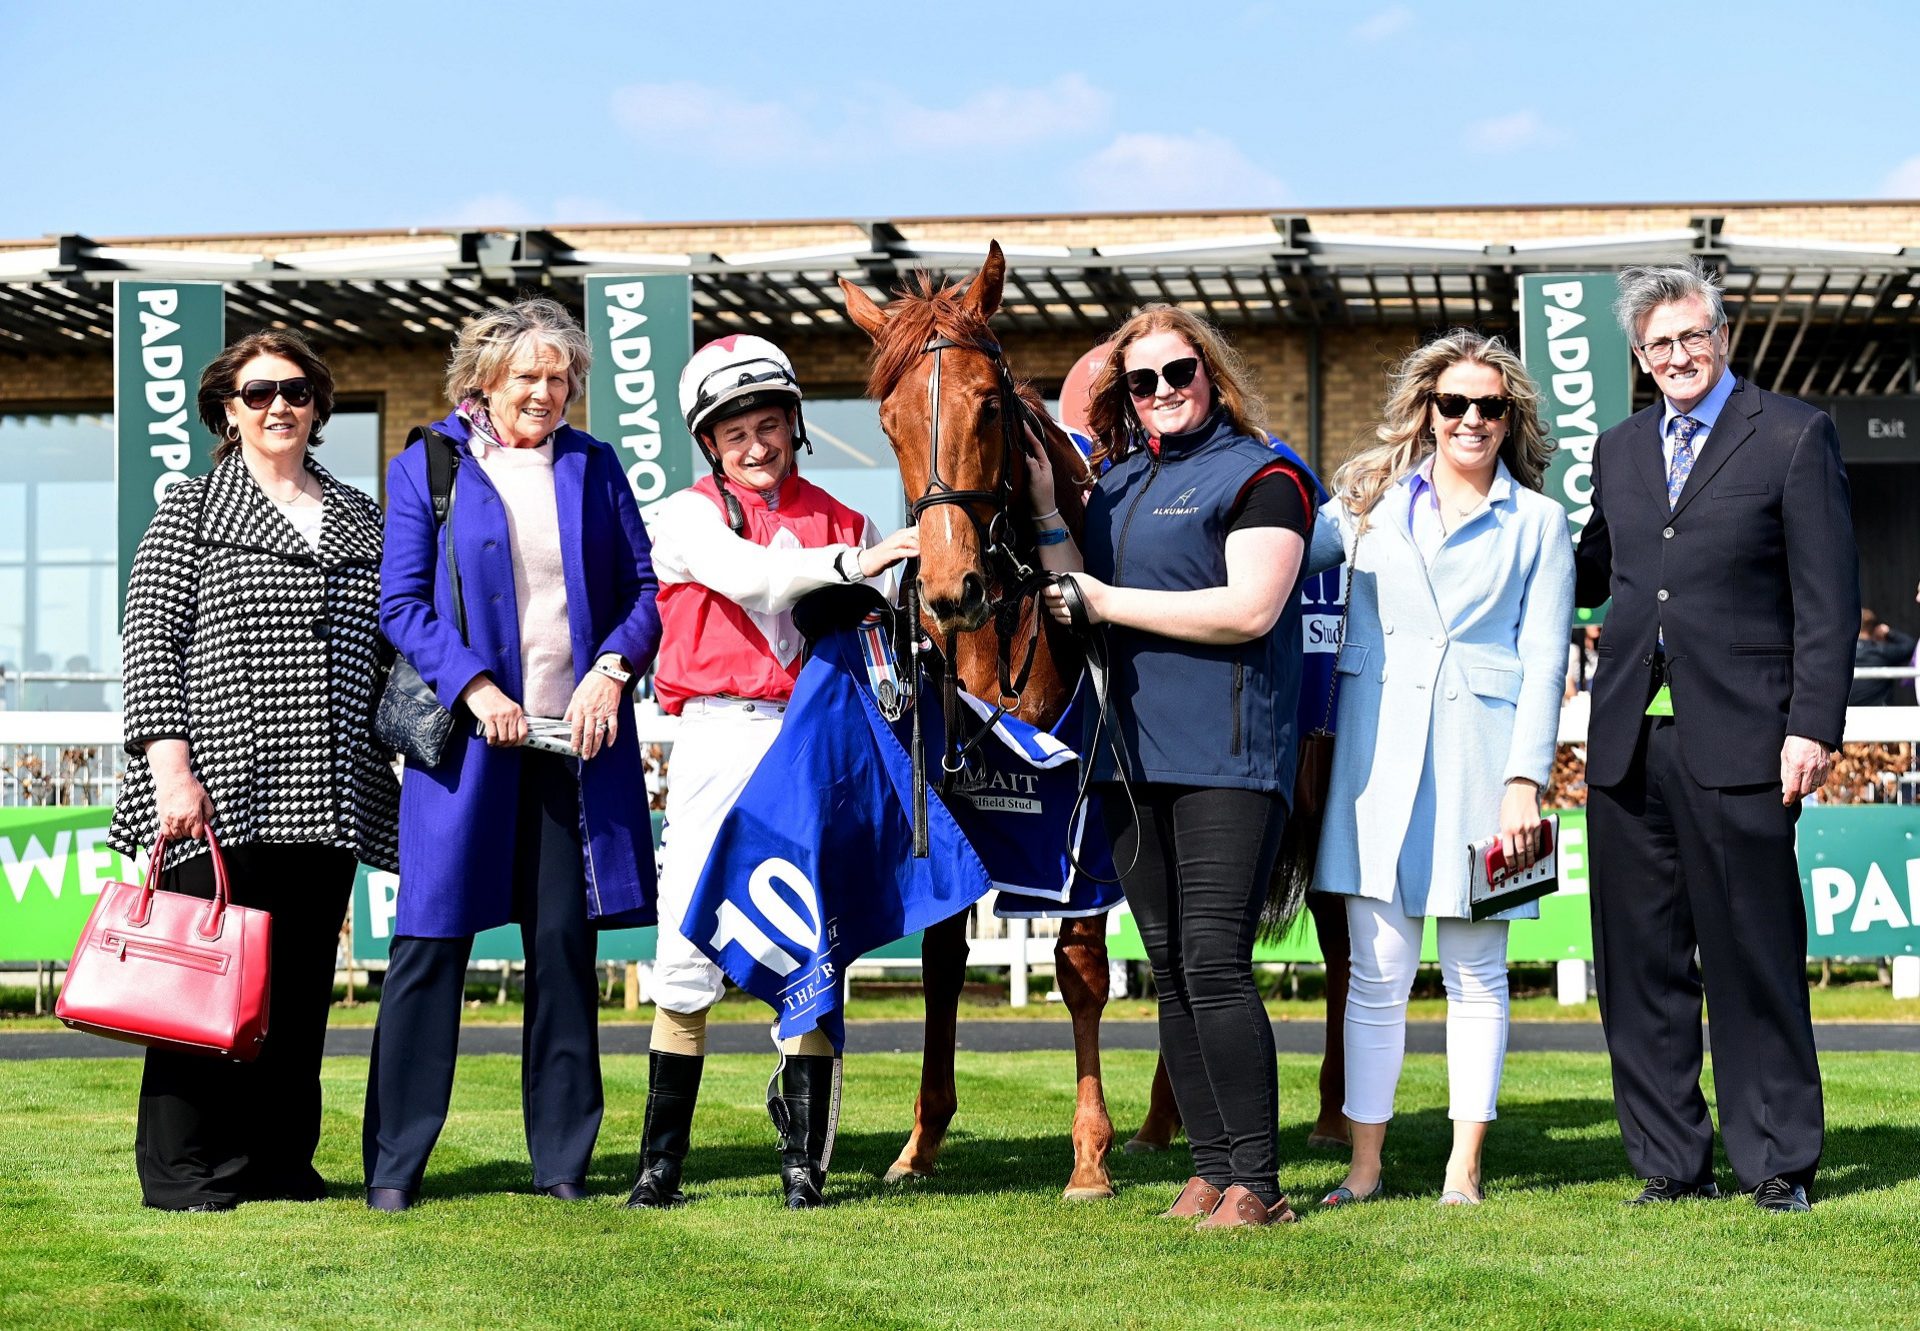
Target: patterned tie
(1684, 428)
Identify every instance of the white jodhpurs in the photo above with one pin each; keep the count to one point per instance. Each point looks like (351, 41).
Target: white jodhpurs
(1473, 964)
(720, 743)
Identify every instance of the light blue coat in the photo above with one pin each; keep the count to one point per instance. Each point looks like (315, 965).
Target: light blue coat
(1450, 686)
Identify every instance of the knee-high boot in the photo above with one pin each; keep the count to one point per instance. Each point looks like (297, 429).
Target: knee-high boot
(673, 1088)
(805, 1112)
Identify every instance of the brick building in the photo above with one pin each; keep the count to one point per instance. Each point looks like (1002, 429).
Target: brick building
(1822, 298)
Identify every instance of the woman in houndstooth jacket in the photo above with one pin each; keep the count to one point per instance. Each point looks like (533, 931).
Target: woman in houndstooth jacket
(252, 659)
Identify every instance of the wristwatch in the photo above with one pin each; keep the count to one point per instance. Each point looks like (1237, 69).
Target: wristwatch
(613, 668)
(850, 572)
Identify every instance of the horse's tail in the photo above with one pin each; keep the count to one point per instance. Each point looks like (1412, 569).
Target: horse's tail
(1292, 874)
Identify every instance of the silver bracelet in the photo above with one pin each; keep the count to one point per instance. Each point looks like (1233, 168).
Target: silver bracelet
(1042, 517)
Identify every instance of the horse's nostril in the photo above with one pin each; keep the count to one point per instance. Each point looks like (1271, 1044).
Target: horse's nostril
(973, 589)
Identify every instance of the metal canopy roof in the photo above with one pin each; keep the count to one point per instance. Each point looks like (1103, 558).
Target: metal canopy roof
(1811, 316)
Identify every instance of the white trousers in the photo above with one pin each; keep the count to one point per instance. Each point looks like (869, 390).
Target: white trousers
(1473, 963)
(719, 745)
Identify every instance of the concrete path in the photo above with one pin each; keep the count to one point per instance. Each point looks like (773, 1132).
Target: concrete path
(987, 1037)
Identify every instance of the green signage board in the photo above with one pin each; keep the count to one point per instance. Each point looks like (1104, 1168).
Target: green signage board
(55, 863)
(164, 333)
(641, 331)
(1576, 352)
(1859, 875)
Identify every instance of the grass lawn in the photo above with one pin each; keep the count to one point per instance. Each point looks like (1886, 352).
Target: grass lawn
(1855, 1002)
(987, 1244)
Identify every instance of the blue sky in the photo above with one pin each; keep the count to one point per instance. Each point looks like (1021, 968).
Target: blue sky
(132, 119)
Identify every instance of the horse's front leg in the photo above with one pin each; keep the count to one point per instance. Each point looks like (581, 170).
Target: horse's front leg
(943, 970)
(1080, 964)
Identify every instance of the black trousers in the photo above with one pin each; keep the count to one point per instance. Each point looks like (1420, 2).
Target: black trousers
(1678, 866)
(213, 1132)
(417, 1035)
(1196, 891)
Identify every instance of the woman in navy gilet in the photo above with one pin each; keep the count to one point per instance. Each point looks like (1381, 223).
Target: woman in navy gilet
(1194, 542)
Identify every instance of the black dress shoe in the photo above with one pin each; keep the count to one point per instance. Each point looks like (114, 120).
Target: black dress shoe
(210, 1208)
(389, 1199)
(1776, 1194)
(565, 1192)
(1660, 1189)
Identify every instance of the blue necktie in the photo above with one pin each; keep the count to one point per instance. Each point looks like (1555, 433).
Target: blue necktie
(1684, 428)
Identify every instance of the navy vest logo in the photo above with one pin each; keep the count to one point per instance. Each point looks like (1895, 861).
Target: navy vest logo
(1182, 505)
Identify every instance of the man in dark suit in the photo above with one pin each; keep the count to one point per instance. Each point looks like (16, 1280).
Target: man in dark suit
(1722, 531)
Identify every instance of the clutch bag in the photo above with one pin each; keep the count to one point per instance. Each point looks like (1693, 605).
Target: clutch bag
(1493, 885)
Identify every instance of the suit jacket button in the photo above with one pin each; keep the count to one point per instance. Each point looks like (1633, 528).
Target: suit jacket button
(1668, 533)
(1660, 595)
(321, 629)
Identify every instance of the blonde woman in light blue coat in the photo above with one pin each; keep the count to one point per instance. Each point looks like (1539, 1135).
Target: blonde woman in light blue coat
(1450, 684)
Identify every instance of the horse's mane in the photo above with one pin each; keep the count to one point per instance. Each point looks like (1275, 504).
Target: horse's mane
(919, 313)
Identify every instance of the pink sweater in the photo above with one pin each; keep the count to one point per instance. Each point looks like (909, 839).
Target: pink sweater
(524, 478)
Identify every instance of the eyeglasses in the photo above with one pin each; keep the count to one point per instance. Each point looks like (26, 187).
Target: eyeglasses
(260, 393)
(1454, 405)
(1177, 373)
(1697, 341)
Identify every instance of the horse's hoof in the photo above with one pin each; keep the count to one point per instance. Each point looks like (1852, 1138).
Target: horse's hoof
(1141, 1146)
(1095, 1193)
(901, 1171)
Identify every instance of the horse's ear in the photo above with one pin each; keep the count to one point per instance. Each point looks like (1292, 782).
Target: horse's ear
(984, 291)
(862, 310)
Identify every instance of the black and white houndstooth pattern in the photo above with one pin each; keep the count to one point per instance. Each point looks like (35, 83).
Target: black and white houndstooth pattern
(267, 660)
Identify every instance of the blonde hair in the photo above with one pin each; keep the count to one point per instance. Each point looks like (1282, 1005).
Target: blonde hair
(487, 344)
(1406, 437)
(1110, 416)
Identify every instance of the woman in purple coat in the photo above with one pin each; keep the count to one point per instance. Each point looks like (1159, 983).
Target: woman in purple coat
(555, 582)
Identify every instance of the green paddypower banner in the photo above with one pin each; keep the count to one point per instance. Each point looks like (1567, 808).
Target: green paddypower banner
(56, 862)
(1859, 874)
(164, 334)
(1576, 352)
(641, 333)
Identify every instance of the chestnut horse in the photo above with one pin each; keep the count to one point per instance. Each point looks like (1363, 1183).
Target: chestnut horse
(941, 384)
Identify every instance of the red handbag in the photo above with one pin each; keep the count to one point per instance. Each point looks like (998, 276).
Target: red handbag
(172, 971)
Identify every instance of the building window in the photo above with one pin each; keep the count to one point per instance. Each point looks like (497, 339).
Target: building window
(852, 460)
(59, 548)
(59, 602)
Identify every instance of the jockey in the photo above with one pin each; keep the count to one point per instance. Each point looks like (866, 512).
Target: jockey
(733, 554)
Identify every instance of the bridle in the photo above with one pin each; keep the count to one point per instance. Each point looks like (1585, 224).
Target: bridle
(1015, 576)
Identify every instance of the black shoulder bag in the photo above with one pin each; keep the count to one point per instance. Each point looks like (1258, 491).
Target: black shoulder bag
(410, 719)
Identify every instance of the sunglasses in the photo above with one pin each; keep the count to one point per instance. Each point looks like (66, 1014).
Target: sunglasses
(1177, 373)
(260, 393)
(1454, 405)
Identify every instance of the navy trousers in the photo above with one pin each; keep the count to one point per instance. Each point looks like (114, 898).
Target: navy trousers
(410, 1082)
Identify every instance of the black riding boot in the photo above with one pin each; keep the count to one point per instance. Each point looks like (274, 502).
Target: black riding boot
(805, 1112)
(673, 1087)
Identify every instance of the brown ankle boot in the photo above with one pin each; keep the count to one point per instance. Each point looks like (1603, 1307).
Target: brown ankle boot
(1240, 1209)
(1197, 1199)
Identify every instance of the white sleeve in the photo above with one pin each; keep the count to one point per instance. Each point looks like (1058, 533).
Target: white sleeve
(692, 543)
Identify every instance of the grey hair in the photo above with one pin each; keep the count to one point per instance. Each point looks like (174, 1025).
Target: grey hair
(1643, 290)
(487, 344)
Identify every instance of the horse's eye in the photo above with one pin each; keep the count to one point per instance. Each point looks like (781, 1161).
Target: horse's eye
(990, 408)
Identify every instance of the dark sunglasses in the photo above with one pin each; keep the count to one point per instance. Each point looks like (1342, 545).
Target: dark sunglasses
(260, 393)
(1177, 373)
(1454, 405)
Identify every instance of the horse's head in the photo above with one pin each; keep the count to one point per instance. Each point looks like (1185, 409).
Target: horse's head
(938, 379)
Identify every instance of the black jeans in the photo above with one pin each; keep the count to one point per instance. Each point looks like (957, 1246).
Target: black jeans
(417, 1035)
(213, 1132)
(1205, 854)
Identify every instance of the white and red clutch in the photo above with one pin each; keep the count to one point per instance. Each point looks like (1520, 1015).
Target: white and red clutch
(1494, 886)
